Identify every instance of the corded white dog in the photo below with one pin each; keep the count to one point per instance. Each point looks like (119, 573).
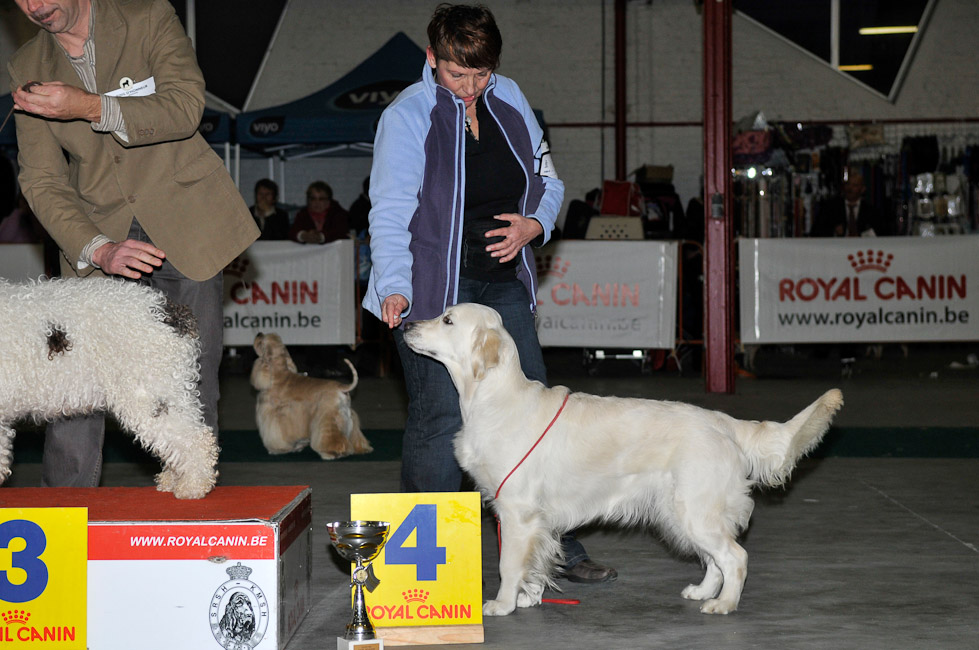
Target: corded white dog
(74, 347)
(685, 469)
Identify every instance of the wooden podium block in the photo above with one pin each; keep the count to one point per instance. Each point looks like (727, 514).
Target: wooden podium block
(431, 634)
(232, 569)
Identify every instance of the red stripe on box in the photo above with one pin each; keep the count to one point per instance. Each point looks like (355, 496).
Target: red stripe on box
(224, 503)
(169, 541)
(296, 523)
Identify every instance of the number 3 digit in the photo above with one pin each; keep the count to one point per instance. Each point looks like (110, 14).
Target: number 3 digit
(27, 559)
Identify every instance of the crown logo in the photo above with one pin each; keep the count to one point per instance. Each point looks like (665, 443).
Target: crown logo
(238, 266)
(415, 595)
(15, 616)
(548, 265)
(870, 260)
(238, 572)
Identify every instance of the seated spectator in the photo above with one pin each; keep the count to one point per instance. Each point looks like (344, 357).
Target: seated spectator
(272, 220)
(359, 210)
(322, 220)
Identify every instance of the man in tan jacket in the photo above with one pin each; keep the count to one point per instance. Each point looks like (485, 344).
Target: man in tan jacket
(110, 97)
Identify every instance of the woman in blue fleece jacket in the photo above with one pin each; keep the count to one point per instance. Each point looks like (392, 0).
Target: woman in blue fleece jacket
(461, 186)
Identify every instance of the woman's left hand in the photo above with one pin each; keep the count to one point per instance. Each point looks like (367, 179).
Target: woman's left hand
(520, 232)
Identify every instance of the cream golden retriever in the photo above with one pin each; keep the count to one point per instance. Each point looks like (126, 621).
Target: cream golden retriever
(293, 410)
(685, 469)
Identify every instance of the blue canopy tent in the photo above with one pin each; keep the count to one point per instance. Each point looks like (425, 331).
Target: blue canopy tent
(215, 127)
(340, 118)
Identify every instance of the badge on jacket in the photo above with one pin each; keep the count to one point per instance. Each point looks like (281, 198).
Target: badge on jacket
(130, 88)
(545, 166)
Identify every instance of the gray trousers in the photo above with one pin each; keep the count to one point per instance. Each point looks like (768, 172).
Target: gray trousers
(73, 446)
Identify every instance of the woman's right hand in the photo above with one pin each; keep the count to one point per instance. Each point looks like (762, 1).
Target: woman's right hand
(392, 308)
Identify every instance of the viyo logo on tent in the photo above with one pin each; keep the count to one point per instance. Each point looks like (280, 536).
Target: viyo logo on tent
(265, 127)
(370, 96)
(209, 124)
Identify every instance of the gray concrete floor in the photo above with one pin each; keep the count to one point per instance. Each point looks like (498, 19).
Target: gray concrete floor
(854, 553)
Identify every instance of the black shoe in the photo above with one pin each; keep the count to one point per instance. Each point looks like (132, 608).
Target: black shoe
(590, 572)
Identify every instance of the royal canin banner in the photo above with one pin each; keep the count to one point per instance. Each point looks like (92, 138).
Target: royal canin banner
(607, 294)
(21, 262)
(302, 292)
(859, 290)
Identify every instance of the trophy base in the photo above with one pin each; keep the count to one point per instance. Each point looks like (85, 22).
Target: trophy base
(366, 644)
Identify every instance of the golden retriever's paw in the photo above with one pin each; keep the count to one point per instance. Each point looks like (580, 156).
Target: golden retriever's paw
(698, 592)
(531, 597)
(497, 608)
(717, 606)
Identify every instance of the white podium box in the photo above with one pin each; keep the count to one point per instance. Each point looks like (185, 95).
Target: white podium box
(231, 570)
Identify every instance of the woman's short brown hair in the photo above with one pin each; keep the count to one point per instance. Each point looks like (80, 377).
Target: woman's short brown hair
(466, 35)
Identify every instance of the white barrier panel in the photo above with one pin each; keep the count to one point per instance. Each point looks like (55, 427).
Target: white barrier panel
(303, 293)
(610, 294)
(859, 290)
(20, 262)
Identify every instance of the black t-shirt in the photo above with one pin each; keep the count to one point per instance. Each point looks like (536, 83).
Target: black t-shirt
(495, 182)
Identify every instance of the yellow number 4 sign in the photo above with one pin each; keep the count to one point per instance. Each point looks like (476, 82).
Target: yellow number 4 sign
(430, 569)
(43, 570)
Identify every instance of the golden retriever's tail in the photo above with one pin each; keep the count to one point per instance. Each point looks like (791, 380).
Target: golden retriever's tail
(353, 382)
(774, 448)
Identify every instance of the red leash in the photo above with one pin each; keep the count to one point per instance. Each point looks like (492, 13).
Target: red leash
(499, 538)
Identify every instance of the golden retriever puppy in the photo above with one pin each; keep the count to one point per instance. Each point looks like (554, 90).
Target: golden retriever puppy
(293, 410)
(682, 468)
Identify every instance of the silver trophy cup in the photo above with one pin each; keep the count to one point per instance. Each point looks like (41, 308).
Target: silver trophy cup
(359, 542)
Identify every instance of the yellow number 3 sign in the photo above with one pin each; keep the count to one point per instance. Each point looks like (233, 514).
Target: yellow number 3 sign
(43, 569)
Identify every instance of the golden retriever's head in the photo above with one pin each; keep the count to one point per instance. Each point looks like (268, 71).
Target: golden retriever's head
(469, 339)
(273, 359)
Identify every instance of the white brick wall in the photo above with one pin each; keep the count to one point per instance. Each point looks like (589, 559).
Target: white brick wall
(553, 48)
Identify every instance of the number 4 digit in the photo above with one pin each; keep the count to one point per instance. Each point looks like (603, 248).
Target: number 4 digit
(426, 554)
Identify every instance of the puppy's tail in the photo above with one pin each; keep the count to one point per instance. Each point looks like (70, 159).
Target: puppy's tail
(353, 382)
(774, 448)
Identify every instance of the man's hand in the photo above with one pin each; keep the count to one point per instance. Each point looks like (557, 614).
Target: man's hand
(129, 258)
(392, 308)
(58, 101)
(521, 231)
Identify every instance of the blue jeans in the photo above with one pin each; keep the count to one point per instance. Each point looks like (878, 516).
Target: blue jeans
(428, 463)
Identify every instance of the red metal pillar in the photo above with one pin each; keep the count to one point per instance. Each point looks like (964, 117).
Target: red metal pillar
(620, 96)
(718, 204)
